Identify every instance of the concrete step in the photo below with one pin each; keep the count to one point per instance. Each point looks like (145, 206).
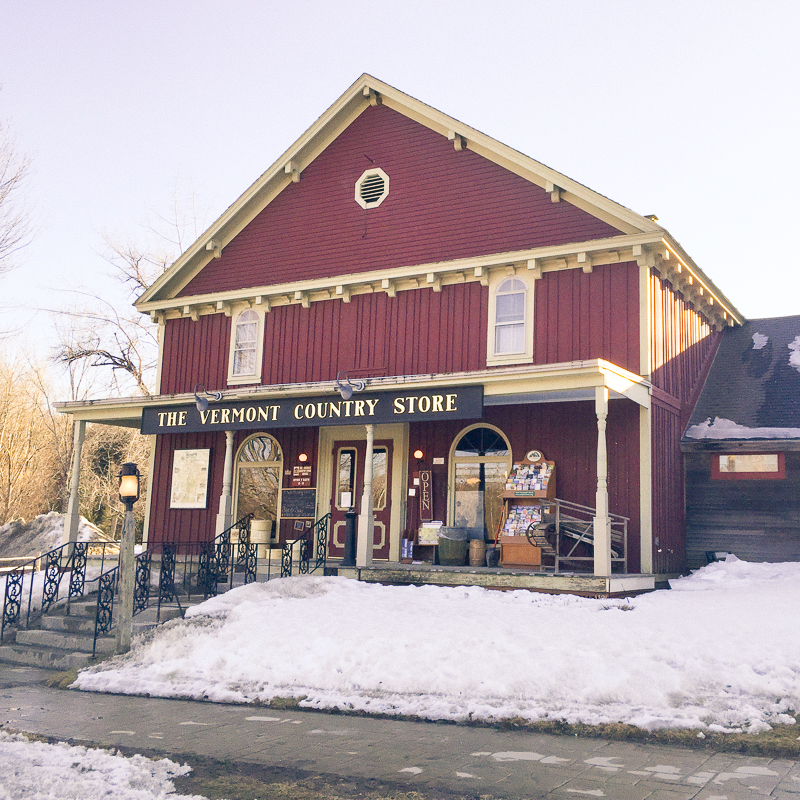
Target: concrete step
(45, 657)
(68, 624)
(72, 642)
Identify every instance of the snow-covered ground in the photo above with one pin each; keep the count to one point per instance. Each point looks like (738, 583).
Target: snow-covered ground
(37, 771)
(19, 538)
(720, 651)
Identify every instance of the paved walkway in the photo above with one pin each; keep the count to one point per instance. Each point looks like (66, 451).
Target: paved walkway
(420, 756)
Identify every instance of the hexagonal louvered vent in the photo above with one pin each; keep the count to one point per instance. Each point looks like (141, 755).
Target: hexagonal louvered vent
(372, 188)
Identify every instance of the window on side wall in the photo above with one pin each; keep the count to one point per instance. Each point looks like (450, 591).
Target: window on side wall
(246, 348)
(748, 466)
(510, 331)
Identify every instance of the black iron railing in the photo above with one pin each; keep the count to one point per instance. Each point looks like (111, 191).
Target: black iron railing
(318, 533)
(34, 586)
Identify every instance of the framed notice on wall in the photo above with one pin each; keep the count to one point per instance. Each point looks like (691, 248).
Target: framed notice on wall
(189, 478)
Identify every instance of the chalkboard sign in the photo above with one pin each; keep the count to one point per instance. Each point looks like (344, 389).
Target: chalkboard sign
(298, 503)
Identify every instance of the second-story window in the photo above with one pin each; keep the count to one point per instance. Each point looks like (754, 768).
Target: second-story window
(245, 348)
(509, 320)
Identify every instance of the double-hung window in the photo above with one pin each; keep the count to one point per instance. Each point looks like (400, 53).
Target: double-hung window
(510, 333)
(245, 358)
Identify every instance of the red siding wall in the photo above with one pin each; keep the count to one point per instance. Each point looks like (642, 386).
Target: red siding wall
(417, 332)
(682, 342)
(581, 316)
(682, 346)
(442, 205)
(184, 525)
(567, 434)
(669, 555)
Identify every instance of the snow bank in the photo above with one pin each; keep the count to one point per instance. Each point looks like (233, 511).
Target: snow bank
(718, 650)
(42, 534)
(56, 771)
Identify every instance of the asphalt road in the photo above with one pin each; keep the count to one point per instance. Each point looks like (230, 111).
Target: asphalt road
(418, 756)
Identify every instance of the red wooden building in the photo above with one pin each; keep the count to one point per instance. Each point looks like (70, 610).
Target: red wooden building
(482, 306)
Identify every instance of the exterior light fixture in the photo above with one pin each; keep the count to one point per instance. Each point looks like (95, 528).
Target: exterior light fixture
(302, 457)
(346, 387)
(418, 454)
(201, 395)
(129, 485)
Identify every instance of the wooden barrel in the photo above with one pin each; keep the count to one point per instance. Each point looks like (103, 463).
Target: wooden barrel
(477, 552)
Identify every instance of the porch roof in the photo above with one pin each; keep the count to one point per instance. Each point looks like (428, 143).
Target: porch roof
(548, 383)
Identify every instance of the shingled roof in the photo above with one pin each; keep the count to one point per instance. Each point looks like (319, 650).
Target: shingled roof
(753, 388)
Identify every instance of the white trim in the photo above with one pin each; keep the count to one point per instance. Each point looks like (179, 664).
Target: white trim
(372, 173)
(451, 464)
(255, 376)
(275, 463)
(497, 280)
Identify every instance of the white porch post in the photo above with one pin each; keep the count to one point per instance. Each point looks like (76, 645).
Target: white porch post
(73, 513)
(225, 515)
(602, 523)
(366, 522)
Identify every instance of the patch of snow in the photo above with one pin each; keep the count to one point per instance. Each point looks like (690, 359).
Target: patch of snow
(712, 651)
(19, 538)
(759, 341)
(727, 429)
(38, 770)
(794, 355)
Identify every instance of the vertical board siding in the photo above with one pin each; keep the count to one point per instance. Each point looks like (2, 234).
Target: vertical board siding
(567, 434)
(580, 316)
(442, 204)
(669, 554)
(190, 525)
(577, 317)
(682, 348)
(195, 352)
(682, 342)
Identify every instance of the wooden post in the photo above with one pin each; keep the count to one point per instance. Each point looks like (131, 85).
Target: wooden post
(602, 523)
(73, 513)
(127, 580)
(366, 522)
(225, 515)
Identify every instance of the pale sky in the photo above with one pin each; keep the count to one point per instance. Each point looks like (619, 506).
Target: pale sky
(686, 110)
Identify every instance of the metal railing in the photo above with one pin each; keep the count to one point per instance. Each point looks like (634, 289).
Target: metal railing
(34, 586)
(318, 533)
(567, 531)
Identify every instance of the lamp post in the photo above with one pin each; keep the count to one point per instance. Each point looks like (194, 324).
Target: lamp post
(128, 494)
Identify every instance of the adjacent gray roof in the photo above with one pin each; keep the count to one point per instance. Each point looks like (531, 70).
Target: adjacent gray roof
(753, 388)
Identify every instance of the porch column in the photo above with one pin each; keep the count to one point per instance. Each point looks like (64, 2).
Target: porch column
(602, 523)
(366, 522)
(225, 516)
(73, 514)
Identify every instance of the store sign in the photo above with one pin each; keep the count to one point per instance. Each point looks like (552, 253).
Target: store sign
(364, 408)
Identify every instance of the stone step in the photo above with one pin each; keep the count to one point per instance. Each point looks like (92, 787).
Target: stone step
(68, 624)
(45, 657)
(73, 642)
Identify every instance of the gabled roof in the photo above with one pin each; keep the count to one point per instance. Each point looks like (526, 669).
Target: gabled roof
(368, 90)
(752, 393)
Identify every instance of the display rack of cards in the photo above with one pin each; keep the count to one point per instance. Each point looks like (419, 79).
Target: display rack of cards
(529, 482)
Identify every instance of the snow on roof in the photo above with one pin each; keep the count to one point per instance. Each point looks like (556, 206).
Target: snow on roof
(753, 388)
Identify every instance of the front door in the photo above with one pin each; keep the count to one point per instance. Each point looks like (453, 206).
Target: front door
(348, 487)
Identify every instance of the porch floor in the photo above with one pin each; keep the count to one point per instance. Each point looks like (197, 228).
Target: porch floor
(502, 578)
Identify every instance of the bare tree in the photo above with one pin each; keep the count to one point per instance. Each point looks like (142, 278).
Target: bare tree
(15, 220)
(125, 345)
(32, 444)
